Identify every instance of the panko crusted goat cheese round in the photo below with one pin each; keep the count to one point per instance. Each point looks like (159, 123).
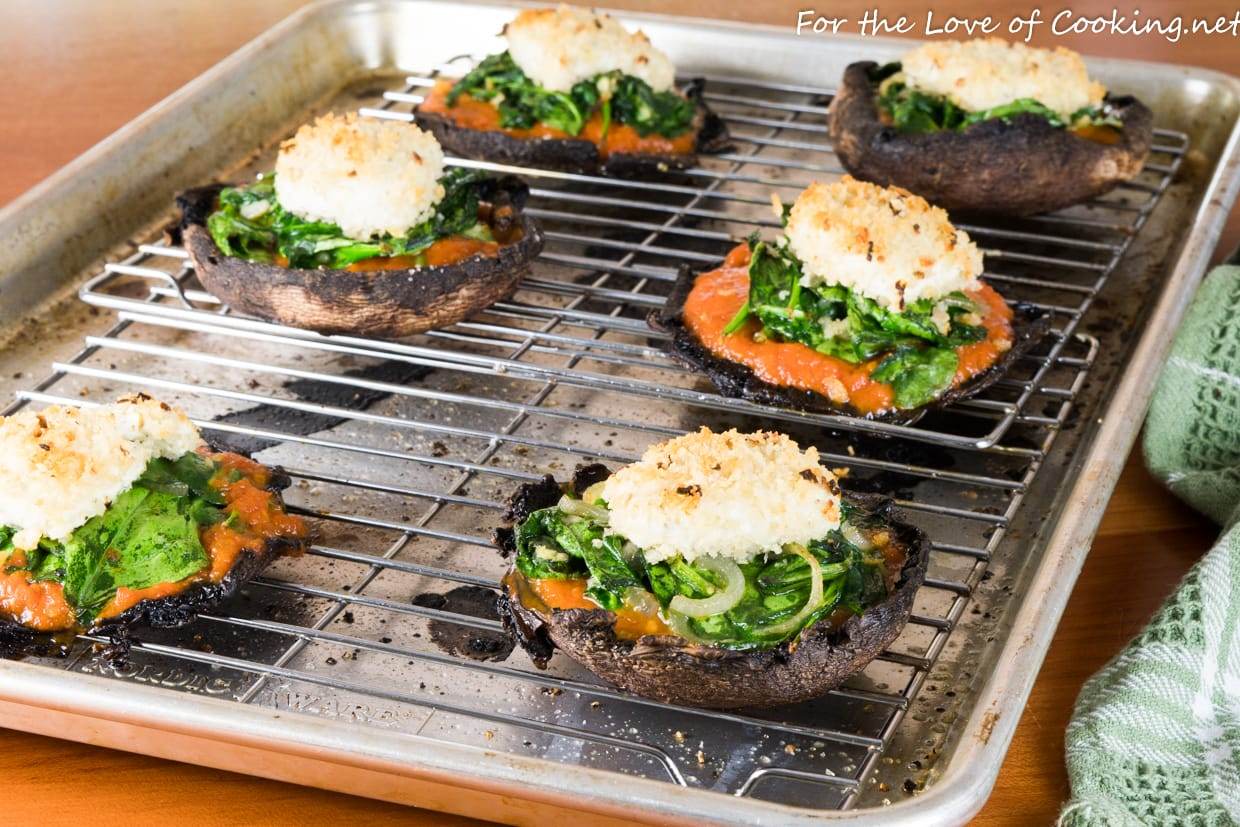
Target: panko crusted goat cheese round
(558, 48)
(980, 74)
(729, 495)
(368, 176)
(60, 466)
(882, 242)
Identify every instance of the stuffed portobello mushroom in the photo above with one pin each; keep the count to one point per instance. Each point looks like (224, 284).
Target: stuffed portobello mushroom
(988, 126)
(869, 305)
(119, 514)
(720, 571)
(362, 230)
(574, 91)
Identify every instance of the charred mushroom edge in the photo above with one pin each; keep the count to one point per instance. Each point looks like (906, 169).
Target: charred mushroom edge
(1018, 166)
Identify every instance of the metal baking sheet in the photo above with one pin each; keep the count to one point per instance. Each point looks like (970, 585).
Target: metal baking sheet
(338, 667)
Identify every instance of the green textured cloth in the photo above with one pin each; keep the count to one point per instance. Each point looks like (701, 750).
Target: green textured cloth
(1155, 736)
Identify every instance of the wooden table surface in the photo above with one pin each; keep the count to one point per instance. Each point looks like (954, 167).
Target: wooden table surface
(75, 70)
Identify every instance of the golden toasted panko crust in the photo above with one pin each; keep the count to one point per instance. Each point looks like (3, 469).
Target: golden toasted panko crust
(883, 242)
(730, 494)
(981, 74)
(369, 176)
(62, 465)
(558, 48)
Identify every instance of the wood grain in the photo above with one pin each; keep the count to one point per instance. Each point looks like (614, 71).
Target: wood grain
(1107, 608)
(76, 70)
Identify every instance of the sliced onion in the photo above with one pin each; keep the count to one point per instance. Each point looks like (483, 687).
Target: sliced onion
(630, 553)
(580, 508)
(854, 536)
(814, 602)
(641, 601)
(254, 209)
(679, 624)
(594, 492)
(721, 600)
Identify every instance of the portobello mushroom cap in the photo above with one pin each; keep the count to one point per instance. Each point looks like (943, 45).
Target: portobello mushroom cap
(388, 303)
(577, 154)
(733, 379)
(1015, 166)
(674, 670)
(174, 611)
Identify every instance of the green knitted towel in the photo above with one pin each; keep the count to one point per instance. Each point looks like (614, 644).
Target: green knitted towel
(1155, 736)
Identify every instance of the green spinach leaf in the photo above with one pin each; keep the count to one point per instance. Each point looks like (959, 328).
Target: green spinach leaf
(250, 223)
(913, 111)
(610, 575)
(637, 105)
(148, 535)
(916, 112)
(918, 354)
(551, 544)
(191, 472)
(540, 555)
(6, 543)
(144, 538)
(619, 98)
(917, 375)
(1009, 110)
(521, 102)
(44, 562)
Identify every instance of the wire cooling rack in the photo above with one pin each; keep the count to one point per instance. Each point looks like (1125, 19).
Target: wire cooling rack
(402, 453)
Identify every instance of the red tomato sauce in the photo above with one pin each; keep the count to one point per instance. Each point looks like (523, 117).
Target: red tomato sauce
(38, 606)
(448, 250)
(1107, 135)
(718, 295)
(544, 595)
(471, 113)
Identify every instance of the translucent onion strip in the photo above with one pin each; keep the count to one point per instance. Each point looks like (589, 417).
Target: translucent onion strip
(679, 624)
(580, 508)
(630, 553)
(855, 537)
(720, 601)
(641, 601)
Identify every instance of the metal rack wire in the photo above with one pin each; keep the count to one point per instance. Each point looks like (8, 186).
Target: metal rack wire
(403, 451)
